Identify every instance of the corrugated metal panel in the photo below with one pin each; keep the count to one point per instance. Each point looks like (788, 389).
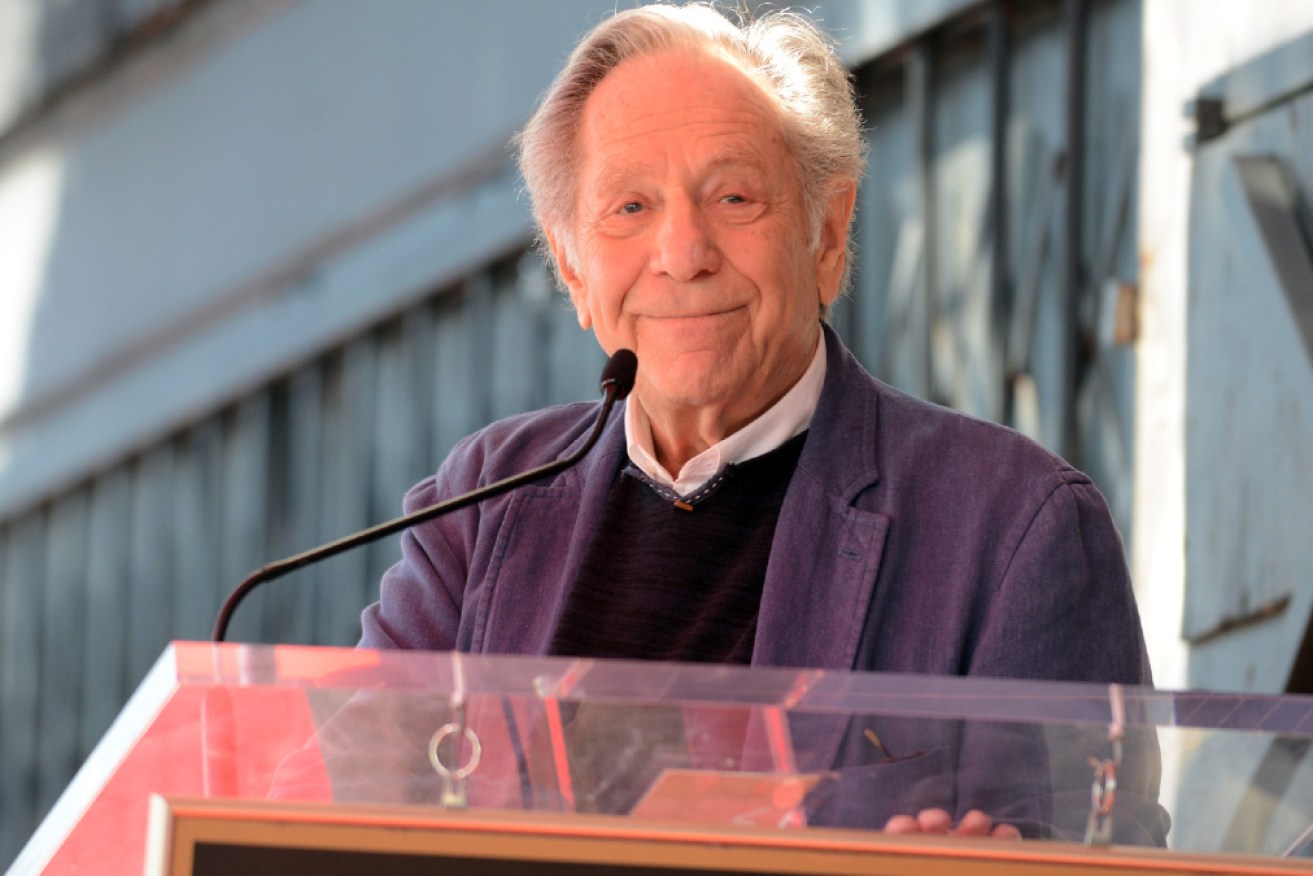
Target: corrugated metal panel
(20, 672)
(885, 323)
(298, 485)
(61, 614)
(345, 473)
(104, 685)
(243, 500)
(194, 534)
(153, 586)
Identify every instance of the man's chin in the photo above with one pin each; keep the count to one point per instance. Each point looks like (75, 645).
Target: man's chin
(693, 388)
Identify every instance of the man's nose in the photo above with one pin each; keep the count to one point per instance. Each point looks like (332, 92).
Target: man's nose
(685, 247)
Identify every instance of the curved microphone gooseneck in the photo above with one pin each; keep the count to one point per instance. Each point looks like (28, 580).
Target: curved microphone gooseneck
(617, 381)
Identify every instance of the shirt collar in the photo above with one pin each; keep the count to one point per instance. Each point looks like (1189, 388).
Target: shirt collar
(790, 416)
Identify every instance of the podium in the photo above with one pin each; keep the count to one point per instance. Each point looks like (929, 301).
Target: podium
(282, 759)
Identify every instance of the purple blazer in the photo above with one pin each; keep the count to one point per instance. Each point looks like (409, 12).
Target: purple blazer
(912, 539)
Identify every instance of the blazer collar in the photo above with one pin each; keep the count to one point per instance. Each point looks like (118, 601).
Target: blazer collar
(826, 553)
(841, 448)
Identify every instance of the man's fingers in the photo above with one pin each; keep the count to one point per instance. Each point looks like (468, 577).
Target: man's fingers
(902, 824)
(925, 821)
(934, 821)
(974, 823)
(938, 821)
(977, 823)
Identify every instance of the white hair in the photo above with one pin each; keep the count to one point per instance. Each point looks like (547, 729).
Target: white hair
(794, 62)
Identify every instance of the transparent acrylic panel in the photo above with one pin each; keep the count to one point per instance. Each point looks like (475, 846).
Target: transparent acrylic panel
(773, 749)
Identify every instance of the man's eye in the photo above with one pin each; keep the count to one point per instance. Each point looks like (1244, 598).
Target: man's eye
(733, 199)
(631, 207)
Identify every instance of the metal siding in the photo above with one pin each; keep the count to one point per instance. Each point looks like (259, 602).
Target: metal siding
(20, 668)
(573, 361)
(61, 611)
(400, 439)
(456, 374)
(346, 473)
(103, 684)
(152, 586)
(243, 500)
(11, 792)
(884, 320)
(293, 599)
(515, 351)
(196, 570)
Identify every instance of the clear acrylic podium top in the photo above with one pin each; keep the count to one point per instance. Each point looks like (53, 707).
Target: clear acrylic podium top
(782, 749)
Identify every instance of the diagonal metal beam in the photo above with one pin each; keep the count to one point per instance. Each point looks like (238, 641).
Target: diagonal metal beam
(1273, 195)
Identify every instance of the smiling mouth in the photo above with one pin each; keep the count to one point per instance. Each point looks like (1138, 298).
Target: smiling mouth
(704, 331)
(696, 316)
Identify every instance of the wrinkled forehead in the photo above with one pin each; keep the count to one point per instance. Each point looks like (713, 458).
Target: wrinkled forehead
(657, 71)
(648, 103)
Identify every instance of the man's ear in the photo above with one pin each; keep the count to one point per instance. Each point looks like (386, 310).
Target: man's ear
(832, 247)
(574, 283)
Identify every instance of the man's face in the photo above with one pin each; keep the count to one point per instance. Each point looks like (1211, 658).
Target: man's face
(691, 239)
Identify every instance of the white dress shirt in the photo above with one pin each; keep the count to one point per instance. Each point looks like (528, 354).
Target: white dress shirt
(790, 416)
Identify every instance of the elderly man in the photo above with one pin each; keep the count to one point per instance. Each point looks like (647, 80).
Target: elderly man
(764, 500)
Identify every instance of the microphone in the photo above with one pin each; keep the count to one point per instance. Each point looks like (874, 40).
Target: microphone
(617, 381)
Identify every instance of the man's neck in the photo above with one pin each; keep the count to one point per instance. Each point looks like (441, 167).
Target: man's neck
(682, 435)
(652, 439)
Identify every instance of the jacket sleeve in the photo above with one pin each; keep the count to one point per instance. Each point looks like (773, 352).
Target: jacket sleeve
(421, 596)
(1065, 610)
(1063, 607)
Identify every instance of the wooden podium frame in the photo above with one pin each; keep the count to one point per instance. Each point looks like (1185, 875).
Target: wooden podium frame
(205, 837)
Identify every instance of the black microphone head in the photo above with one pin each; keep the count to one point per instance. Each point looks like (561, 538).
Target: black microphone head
(619, 372)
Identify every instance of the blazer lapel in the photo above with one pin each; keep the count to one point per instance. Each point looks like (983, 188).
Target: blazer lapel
(826, 553)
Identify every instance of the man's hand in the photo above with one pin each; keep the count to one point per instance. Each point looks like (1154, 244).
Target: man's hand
(974, 823)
